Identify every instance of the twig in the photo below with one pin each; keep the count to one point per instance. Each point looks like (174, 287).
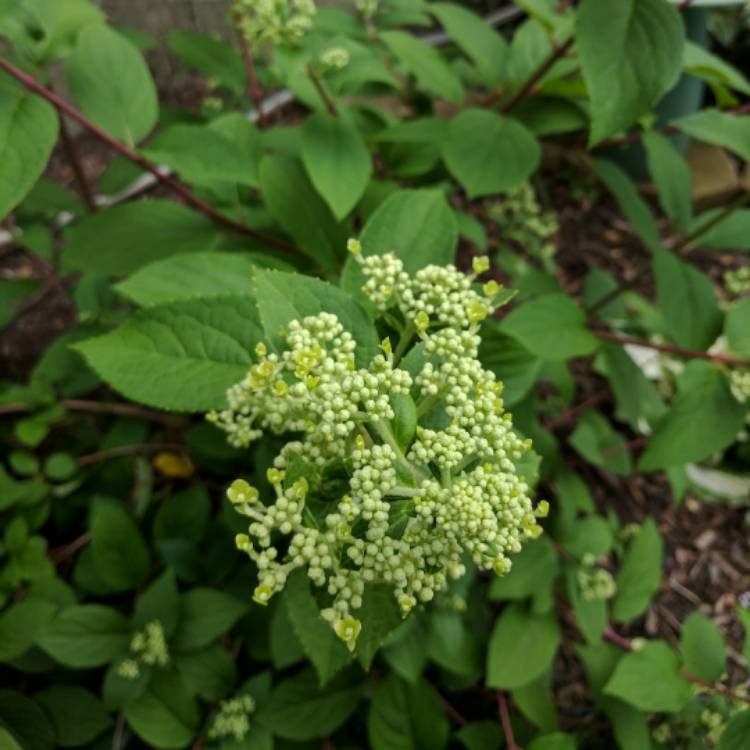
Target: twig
(97, 407)
(451, 711)
(679, 245)
(59, 554)
(502, 707)
(570, 414)
(75, 162)
(128, 450)
(176, 187)
(119, 730)
(724, 359)
(625, 644)
(254, 90)
(315, 78)
(534, 78)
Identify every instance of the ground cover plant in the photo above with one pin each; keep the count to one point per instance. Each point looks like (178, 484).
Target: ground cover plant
(326, 424)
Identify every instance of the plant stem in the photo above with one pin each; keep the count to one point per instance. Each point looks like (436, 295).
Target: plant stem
(176, 187)
(63, 553)
(569, 415)
(451, 711)
(680, 245)
(100, 407)
(403, 342)
(385, 434)
(724, 359)
(128, 450)
(75, 162)
(315, 78)
(502, 707)
(254, 91)
(535, 77)
(625, 644)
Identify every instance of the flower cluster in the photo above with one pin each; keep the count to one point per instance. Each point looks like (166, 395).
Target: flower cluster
(739, 383)
(595, 584)
(419, 440)
(335, 57)
(737, 282)
(273, 21)
(232, 719)
(368, 8)
(149, 647)
(523, 221)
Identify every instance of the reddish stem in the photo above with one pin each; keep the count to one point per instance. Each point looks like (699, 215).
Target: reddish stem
(570, 414)
(724, 359)
(254, 90)
(75, 162)
(451, 711)
(329, 103)
(176, 187)
(128, 450)
(502, 706)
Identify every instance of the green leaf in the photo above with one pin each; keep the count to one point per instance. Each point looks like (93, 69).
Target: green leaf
(77, 714)
(671, 173)
(590, 614)
(111, 83)
(720, 128)
(209, 672)
(202, 156)
(245, 139)
(214, 57)
(731, 233)
(631, 55)
(688, 301)
(160, 602)
(406, 649)
(296, 206)
(25, 723)
(206, 345)
(120, 553)
(534, 701)
(20, 625)
(121, 239)
(336, 159)
(191, 275)
(640, 573)
(533, 571)
(649, 679)
(737, 326)
(552, 326)
(425, 64)
(184, 515)
(87, 635)
(28, 132)
(284, 297)
(454, 644)
(600, 444)
(703, 419)
(736, 734)
(406, 717)
(299, 709)
(480, 735)
(380, 616)
(556, 741)
(514, 365)
(703, 64)
(704, 653)
(205, 615)
(418, 226)
(632, 205)
(320, 643)
(489, 153)
(522, 647)
(487, 49)
(165, 715)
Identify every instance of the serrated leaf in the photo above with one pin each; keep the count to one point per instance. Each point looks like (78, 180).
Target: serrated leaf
(640, 573)
(28, 132)
(205, 615)
(322, 646)
(649, 679)
(284, 297)
(552, 326)
(299, 709)
(214, 57)
(78, 716)
(205, 345)
(704, 653)
(111, 83)
(87, 635)
(336, 159)
(489, 153)
(703, 419)
(425, 64)
(631, 55)
(120, 553)
(406, 717)
(522, 646)
(121, 239)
